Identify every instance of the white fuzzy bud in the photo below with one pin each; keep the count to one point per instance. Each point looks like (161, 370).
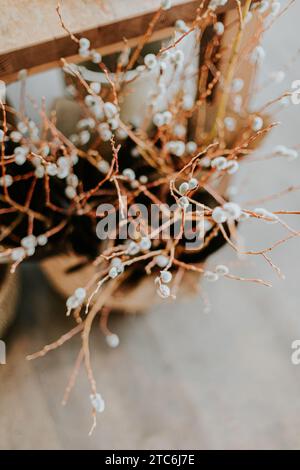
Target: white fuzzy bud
(18, 254)
(103, 166)
(244, 216)
(214, 4)
(133, 248)
(268, 216)
(181, 26)
(72, 303)
(178, 57)
(179, 130)
(161, 261)
(220, 163)
(114, 123)
(207, 225)
(105, 135)
(96, 87)
(233, 210)
(258, 55)
(275, 8)
(237, 85)
(6, 180)
(210, 276)
(63, 172)
(205, 162)
(237, 103)
(80, 293)
(73, 180)
(257, 123)
(118, 264)
(278, 76)
(51, 169)
(176, 147)
(21, 155)
(83, 52)
(84, 43)
(90, 101)
(29, 242)
(150, 61)
(166, 276)
(143, 179)
(145, 244)
(283, 151)
(191, 147)
(110, 110)
(158, 120)
(74, 158)
(70, 192)
(166, 4)
(187, 102)
(42, 240)
(84, 137)
(164, 291)
(193, 183)
(16, 136)
(230, 123)
(112, 340)
(219, 215)
(183, 188)
(22, 127)
(183, 202)
(39, 171)
(168, 116)
(113, 272)
(263, 6)
(30, 251)
(232, 167)
(96, 57)
(121, 134)
(222, 270)
(219, 28)
(97, 402)
(129, 173)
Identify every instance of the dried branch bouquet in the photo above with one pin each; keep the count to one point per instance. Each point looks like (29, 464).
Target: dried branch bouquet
(59, 193)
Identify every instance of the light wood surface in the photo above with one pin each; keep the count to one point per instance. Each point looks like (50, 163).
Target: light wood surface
(180, 378)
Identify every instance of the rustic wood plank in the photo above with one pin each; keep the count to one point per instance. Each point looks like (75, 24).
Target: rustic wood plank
(33, 39)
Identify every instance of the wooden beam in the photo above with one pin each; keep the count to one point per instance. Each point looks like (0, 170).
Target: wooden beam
(33, 39)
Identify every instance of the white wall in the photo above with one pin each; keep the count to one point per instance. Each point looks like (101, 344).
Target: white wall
(48, 84)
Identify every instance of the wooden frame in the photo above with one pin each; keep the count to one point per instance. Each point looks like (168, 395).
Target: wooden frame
(33, 39)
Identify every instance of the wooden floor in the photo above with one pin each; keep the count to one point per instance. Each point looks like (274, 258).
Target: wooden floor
(180, 378)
